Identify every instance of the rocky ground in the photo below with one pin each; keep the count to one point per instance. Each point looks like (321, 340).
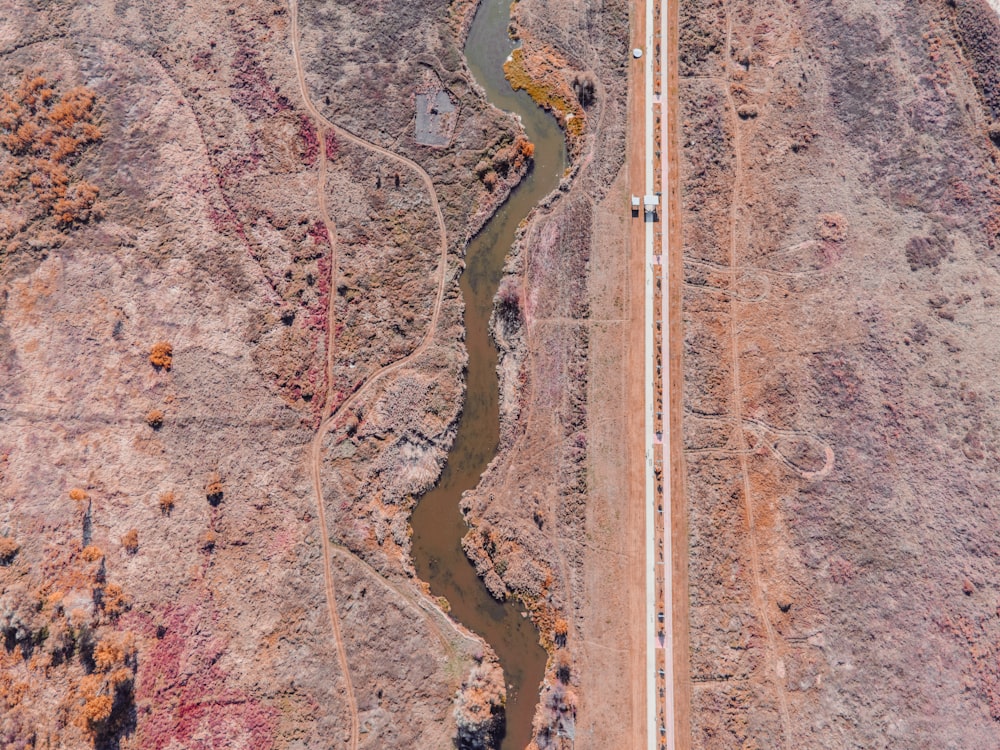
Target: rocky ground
(166, 274)
(841, 232)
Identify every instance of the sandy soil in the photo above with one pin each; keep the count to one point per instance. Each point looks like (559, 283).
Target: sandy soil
(183, 592)
(841, 238)
(674, 239)
(634, 393)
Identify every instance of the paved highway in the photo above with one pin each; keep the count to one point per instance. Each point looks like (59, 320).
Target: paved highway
(650, 501)
(667, 700)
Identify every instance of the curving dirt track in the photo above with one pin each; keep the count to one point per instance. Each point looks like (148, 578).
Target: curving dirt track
(330, 414)
(759, 597)
(803, 402)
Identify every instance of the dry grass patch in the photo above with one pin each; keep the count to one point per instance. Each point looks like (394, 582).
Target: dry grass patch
(43, 134)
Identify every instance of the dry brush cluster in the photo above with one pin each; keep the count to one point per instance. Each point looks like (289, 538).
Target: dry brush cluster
(161, 355)
(479, 707)
(66, 666)
(540, 73)
(42, 135)
(510, 159)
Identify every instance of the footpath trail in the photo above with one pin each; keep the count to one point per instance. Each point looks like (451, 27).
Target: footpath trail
(757, 586)
(330, 414)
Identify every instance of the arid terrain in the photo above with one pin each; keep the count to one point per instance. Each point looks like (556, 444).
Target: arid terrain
(199, 270)
(231, 360)
(841, 223)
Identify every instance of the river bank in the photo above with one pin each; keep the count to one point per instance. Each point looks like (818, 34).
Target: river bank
(438, 524)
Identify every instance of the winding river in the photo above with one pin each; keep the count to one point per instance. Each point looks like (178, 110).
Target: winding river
(438, 525)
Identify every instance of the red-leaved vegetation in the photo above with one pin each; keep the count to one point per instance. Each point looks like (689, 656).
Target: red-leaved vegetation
(183, 693)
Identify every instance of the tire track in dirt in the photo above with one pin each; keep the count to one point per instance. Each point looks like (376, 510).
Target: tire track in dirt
(771, 655)
(725, 292)
(761, 430)
(777, 255)
(330, 415)
(429, 609)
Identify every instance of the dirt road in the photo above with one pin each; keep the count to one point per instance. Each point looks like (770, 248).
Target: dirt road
(658, 247)
(330, 414)
(641, 730)
(673, 344)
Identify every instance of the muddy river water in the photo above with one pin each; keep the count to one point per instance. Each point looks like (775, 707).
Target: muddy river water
(438, 525)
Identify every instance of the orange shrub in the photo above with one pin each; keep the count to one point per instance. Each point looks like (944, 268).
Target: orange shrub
(167, 500)
(131, 541)
(113, 600)
(560, 631)
(97, 709)
(107, 654)
(75, 105)
(45, 133)
(77, 494)
(8, 548)
(155, 419)
(214, 488)
(91, 553)
(161, 355)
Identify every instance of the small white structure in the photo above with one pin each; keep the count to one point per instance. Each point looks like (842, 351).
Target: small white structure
(637, 52)
(651, 202)
(635, 204)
